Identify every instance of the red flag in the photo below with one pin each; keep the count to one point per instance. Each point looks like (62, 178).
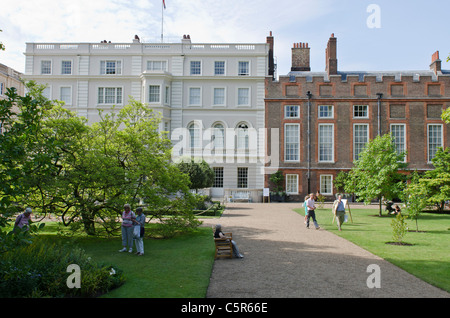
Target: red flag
(164, 3)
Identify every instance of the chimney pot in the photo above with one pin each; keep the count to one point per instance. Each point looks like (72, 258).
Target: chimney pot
(300, 57)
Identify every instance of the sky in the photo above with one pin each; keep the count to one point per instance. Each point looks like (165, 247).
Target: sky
(374, 35)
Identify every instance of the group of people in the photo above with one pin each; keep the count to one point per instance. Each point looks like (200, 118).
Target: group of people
(133, 225)
(310, 207)
(133, 230)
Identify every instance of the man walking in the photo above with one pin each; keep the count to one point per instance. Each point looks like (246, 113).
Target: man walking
(339, 212)
(310, 204)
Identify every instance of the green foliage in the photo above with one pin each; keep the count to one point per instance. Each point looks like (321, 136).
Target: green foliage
(201, 175)
(376, 173)
(415, 197)
(56, 163)
(399, 228)
(23, 156)
(40, 269)
(446, 115)
(437, 181)
(277, 179)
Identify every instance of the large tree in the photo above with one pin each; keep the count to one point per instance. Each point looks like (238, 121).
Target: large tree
(55, 162)
(376, 172)
(22, 156)
(121, 159)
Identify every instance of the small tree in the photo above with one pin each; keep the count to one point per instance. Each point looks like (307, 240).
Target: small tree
(376, 172)
(437, 181)
(277, 179)
(415, 198)
(201, 175)
(399, 228)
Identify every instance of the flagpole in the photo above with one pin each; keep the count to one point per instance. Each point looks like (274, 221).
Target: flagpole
(162, 21)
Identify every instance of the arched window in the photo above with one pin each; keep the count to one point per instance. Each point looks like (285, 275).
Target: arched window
(242, 136)
(194, 135)
(219, 135)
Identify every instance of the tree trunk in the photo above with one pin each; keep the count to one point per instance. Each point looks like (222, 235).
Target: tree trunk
(379, 200)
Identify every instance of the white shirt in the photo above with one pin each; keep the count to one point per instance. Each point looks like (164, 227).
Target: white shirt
(310, 204)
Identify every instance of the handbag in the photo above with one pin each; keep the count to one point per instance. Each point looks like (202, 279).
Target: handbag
(137, 232)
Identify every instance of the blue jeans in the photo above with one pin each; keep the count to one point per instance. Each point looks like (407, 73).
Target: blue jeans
(311, 213)
(127, 236)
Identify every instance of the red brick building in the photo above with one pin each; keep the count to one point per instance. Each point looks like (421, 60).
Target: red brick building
(318, 122)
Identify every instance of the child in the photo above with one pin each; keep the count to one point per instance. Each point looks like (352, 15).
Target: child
(140, 221)
(306, 208)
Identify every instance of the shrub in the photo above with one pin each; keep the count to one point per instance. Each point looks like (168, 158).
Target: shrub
(40, 269)
(399, 228)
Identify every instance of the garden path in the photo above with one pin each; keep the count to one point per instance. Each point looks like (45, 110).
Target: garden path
(283, 259)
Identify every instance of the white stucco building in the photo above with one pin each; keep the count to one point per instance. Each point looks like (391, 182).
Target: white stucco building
(211, 96)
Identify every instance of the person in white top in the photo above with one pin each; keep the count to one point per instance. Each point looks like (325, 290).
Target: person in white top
(310, 204)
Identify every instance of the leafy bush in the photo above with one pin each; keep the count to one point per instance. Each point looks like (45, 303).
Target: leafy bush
(40, 270)
(399, 228)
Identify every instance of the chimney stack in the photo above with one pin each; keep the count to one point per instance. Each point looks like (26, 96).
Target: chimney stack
(436, 63)
(270, 41)
(301, 57)
(331, 56)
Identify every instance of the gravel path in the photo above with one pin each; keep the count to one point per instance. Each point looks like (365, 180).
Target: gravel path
(283, 259)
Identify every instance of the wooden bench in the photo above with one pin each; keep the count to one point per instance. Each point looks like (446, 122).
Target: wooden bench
(224, 248)
(241, 196)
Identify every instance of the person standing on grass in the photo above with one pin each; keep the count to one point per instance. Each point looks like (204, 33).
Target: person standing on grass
(339, 212)
(139, 242)
(128, 217)
(310, 203)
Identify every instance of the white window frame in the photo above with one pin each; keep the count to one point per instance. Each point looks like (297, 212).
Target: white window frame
(117, 67)
(167, 95)
(191, 69)
(396, 144)
(242, 136)
(223, 103)
(224, 68)
(323, 183)
(192, 102)
(288, 111)
(243, 72)
(218, 177)
(50, 68)
(63, 68)
(356, 111)
(154, 94)
(331, 110)
(292, 184)
(219, 135)
(69, 102)
(431, 155)
(195, 133)
(152, 65)
(116, 88)
(240, 176)
(354, 141)
(47, 92)
(296, 145)
(320, 143)
(238, 97)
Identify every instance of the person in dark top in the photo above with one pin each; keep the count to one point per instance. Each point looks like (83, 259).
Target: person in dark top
(219, 234)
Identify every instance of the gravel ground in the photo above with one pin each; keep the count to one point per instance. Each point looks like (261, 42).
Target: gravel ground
(283, 259)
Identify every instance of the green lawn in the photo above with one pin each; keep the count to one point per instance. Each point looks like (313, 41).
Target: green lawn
(427, 258)
(179, 267)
